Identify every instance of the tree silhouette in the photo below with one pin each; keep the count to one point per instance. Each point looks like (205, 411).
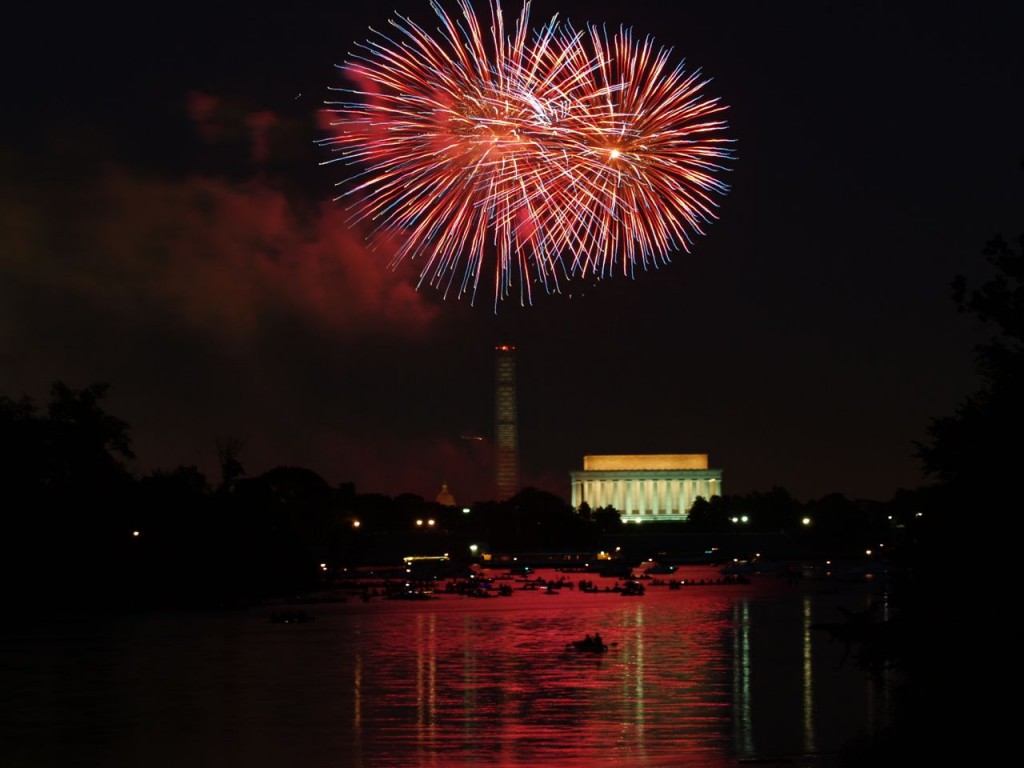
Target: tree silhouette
(974, 456)
(971, 451)
(69, 490)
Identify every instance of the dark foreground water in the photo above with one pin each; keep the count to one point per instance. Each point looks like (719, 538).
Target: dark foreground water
(703, 676)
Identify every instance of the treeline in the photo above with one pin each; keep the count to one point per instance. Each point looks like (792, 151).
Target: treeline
(81, 529)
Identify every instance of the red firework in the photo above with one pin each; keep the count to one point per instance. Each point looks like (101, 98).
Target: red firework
(556, 154)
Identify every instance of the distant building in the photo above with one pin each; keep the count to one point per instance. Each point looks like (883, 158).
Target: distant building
(445, 496)
(646, 487)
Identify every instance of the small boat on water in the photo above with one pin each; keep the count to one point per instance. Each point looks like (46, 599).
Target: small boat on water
(589, 645)
(632, 589)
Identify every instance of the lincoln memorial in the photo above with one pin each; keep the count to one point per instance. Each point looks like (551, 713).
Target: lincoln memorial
(646, 487)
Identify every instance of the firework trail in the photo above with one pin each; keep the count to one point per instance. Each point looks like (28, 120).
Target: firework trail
(555, 153)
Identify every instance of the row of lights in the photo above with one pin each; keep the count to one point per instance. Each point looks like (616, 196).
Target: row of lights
(420, 522)
(744, 519)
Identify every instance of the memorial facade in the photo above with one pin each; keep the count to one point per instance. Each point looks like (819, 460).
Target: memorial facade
(646, 487)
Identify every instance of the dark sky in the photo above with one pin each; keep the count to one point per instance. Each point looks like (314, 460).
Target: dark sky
(166, 226)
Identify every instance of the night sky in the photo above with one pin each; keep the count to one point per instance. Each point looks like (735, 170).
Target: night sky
(167, 225)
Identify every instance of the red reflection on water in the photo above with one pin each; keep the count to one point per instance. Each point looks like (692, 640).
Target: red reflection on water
(496, 680)
(703, 677)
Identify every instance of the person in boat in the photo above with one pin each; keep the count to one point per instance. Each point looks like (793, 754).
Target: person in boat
(597, 640)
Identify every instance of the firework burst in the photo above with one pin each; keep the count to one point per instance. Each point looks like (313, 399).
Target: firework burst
(553, 153)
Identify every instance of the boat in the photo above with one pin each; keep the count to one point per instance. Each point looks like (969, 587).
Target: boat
(589, 645)
(632, 589)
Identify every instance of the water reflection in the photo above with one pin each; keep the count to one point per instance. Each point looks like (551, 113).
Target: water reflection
(704, 676)
(807, 647)
(741, 676)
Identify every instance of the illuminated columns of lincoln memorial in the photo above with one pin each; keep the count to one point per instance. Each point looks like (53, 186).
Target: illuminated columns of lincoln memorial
(646, 487)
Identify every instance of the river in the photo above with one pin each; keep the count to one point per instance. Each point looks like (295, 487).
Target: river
(708, 675)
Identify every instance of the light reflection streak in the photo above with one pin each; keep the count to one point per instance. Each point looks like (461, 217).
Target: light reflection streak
(357, 705)
(881, 684)
(742, 679)
(810, 742)
(639, 692)
(426, 685)
(889, 677)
